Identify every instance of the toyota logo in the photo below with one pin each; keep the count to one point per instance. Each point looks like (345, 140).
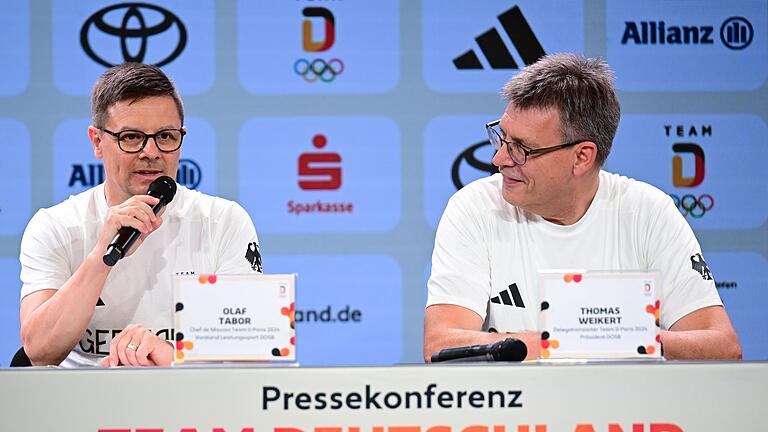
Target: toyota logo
(133, 26)
(469, 157)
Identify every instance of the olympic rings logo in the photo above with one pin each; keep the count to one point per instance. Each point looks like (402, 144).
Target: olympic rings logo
(691, 205)
(318, 69)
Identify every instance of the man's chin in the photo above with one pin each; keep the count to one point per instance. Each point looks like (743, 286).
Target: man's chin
(516, 194)
(510, 198)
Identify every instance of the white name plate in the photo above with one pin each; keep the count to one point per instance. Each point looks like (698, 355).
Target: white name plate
(235, 318)
(599, 315)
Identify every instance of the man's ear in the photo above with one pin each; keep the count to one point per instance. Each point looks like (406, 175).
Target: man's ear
(94, 134)
(585, 158)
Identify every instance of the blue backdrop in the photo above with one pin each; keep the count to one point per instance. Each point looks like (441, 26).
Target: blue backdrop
(344, 126)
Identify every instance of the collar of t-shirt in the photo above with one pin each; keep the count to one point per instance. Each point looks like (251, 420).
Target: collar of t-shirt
(584, 221)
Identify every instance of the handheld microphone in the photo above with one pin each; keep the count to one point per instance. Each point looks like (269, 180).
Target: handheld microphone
(163, 188)
(509, 349)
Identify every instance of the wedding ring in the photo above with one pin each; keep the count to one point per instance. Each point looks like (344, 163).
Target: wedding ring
(131, 346)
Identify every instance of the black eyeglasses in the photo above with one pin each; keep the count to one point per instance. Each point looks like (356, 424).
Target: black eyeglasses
(516, 151)
(133, 141)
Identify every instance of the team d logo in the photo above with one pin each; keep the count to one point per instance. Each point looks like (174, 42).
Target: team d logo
(133, 32)
(688, 170)
(318, 34)
(678, 178)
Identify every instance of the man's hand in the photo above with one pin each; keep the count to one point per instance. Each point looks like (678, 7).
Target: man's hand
(137, 346)
(136, 212)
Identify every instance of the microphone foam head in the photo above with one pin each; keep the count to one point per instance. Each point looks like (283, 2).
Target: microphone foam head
(512, 349)
(163, 188)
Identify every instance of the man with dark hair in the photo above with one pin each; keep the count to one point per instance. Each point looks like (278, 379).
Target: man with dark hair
(552, 206)
(76, 310)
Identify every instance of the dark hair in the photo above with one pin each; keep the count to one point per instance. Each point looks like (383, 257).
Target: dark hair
(130, 81)
(579, 88)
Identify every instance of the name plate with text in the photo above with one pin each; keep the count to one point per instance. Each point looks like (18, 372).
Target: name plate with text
(235, 318)
(599, 315)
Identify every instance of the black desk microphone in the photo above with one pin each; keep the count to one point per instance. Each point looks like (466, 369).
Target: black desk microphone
(509, 349)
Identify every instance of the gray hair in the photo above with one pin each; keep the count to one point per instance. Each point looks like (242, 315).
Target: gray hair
(130, 81)
(579, 88)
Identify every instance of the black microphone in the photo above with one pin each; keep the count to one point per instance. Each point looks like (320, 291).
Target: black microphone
(163, 188)
(509, 349)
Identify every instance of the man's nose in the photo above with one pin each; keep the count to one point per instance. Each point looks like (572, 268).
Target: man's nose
(150, 150)
(501, 158)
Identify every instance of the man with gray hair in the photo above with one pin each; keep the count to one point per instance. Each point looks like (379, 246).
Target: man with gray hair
(552, 206)
(76, 310)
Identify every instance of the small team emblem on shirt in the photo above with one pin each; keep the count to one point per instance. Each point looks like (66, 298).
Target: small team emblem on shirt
(698, 264)
(509, 297)
(253, 256)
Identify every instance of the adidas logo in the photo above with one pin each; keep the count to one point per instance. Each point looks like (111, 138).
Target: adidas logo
(509, 297)
(495, 50)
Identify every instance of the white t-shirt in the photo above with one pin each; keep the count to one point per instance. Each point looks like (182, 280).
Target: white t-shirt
(200, 234)
(486, 249)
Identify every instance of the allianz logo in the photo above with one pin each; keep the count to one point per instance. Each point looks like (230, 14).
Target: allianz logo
(88, 175)
(736, 33)
(657, 32)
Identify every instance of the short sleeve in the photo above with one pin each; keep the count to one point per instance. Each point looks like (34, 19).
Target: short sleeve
(44, 260)
(687, 284)
(460, 260)
(238, 249)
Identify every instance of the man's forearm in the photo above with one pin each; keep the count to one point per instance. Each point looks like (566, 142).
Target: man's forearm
(50, 331)
(451, 338)
(701, 345)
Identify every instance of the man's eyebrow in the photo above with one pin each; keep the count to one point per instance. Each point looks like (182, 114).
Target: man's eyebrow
(508, 137)
(132, 128)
